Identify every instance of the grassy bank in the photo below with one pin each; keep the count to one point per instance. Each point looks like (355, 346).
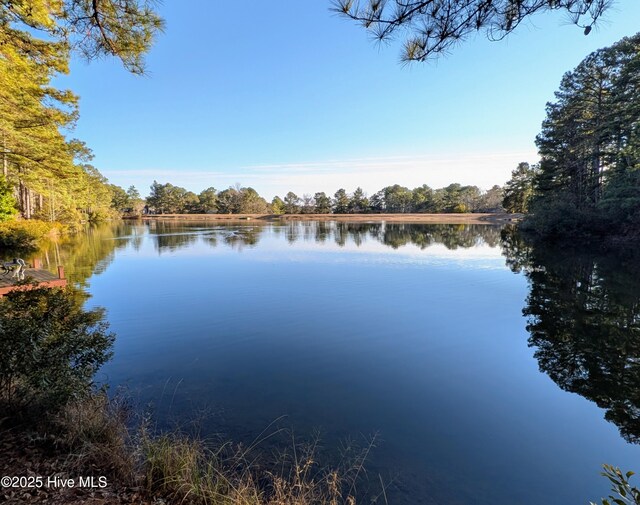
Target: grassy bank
(93, 436)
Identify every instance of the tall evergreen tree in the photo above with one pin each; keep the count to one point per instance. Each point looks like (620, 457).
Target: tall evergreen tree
(341, 202)
(359, 202)
(323, 203)
(208, 201)
(49, 171)
(590, 145)
(277, 205)
(519, 189)
(397, 198)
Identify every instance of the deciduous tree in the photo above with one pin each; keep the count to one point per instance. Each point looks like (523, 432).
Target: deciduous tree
(208, 201)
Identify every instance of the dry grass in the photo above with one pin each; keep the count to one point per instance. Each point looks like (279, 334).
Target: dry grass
(174, 468)
(182, 470)
(94, 432)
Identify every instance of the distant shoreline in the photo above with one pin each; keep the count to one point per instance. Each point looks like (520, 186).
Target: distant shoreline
(467, 218)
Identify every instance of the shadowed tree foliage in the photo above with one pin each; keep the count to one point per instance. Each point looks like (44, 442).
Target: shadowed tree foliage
(359, 203)
(50, 347)
(491, 200)
(422, 199)
(456, 198)
(397, 198)
(584, 322)
(167, 198)
(587, 182)
(431, 27)
(119, 198)
(251, 202)
(519, 189)
(239, 200)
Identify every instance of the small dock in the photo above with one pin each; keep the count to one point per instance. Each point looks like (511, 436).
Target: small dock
(42, 277)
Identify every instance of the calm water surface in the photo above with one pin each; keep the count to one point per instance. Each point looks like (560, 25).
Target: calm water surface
(415, 333)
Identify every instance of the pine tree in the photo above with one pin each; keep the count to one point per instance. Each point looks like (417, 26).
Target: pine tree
(323, 203)
(590, 144)
(519, 189)
(277, 205)
(341, 202)
(48, 170)
(430, 28)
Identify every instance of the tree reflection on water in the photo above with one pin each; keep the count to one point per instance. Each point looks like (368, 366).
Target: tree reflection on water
(583, 313)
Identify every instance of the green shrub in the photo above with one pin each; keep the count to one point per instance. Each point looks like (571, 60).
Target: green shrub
(50, 347)
(625, 493)
(25, 234)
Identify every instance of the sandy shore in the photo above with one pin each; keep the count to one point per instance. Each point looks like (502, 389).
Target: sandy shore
(497, 218)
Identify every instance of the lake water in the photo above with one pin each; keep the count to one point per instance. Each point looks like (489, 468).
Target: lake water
(412, 332)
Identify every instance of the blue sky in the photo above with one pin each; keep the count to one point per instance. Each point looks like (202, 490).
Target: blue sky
(286, 96)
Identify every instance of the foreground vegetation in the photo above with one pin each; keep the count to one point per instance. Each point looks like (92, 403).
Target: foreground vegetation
(50, 349)
(103, 435)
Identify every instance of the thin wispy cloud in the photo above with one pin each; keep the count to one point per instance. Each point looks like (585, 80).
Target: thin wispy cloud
(383, 163)
(370, 173)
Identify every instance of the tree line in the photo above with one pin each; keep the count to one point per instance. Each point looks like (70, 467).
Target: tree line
(169, 199)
